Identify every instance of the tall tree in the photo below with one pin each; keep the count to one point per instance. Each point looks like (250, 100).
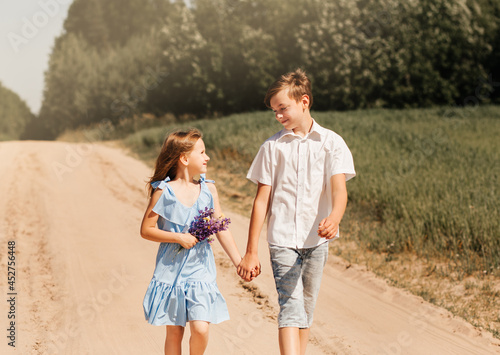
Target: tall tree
(127, 18)
(65, 104)
(14, 114)
(86, 19)
(120, 58)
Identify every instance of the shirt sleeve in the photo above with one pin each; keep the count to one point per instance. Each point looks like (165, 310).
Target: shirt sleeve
(340, 160)
(260, 170)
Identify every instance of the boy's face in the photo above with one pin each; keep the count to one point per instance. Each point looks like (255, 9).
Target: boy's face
(288, 112)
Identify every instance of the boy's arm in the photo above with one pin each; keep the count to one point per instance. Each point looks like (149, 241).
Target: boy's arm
(225, 238)
(251, 259)
(329, 226)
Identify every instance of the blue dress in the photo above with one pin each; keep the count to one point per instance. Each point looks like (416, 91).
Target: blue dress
(183, 287)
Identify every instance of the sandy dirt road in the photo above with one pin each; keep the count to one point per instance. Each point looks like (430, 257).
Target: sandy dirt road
(81, 270)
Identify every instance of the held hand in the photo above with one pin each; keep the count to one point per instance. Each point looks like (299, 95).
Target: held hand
(249, 267)
(255, 272)
(187, 241)
(328, 228)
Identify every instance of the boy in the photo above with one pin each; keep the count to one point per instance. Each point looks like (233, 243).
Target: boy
(301, 174)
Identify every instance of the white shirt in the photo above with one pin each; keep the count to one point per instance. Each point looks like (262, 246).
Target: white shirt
(299, 171)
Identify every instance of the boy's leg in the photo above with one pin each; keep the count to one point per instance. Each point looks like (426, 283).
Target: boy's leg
(293, 341)
(304, 339)
(289, 340)
(287, 271)
(312, 271)
(173, 341)
(199, 337)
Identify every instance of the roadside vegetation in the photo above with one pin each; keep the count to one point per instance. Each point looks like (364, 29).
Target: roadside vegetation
(213, 58)
(14, 114)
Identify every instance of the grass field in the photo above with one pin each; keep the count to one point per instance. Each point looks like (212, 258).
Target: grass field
(423, 209)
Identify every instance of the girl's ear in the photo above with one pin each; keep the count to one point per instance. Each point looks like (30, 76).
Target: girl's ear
(183, 159)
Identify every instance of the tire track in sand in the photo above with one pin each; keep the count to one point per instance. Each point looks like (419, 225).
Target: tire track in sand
(105, 170)
(24, 223)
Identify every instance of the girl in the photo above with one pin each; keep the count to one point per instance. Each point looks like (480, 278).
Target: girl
(183, 288)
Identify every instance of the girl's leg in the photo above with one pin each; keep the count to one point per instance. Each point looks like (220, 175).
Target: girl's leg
(173, 342)
(289, 340)
(199, 337)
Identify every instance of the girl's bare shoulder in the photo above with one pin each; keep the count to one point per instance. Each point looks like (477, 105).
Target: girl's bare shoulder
(211, 187)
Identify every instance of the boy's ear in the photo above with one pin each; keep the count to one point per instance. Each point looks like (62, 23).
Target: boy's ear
(305, 101)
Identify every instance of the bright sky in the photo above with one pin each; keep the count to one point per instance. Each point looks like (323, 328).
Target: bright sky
(28, 29)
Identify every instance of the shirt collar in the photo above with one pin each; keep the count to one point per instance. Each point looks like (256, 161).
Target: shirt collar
(315, 129)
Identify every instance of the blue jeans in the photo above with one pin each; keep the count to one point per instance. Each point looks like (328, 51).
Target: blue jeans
(297, 273)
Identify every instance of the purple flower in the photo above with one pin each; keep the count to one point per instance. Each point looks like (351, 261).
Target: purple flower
(205, 225)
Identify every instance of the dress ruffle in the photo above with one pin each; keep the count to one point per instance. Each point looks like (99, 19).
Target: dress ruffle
(172, 210)
(165, 304)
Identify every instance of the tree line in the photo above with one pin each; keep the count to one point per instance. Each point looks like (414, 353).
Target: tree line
(14, 114)
(117, 60)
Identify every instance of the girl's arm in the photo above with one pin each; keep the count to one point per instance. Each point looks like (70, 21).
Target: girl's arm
(329, 226)
(251, 259)
(225, 237)
(150, 231)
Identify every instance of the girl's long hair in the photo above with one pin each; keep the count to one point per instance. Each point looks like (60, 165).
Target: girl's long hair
(175, 145)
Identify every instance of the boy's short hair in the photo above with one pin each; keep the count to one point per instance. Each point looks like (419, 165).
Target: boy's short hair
(296, 82)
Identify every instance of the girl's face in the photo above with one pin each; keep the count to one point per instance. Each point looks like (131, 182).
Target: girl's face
(197, 159)
(288, 112)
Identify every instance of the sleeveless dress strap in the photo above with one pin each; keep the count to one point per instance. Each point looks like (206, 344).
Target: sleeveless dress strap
(204, 179)
(161, 184)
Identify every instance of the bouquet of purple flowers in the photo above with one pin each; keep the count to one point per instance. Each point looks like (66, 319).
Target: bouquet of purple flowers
(205, 225)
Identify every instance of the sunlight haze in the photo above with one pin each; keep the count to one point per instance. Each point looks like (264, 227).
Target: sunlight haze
(28, 30)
